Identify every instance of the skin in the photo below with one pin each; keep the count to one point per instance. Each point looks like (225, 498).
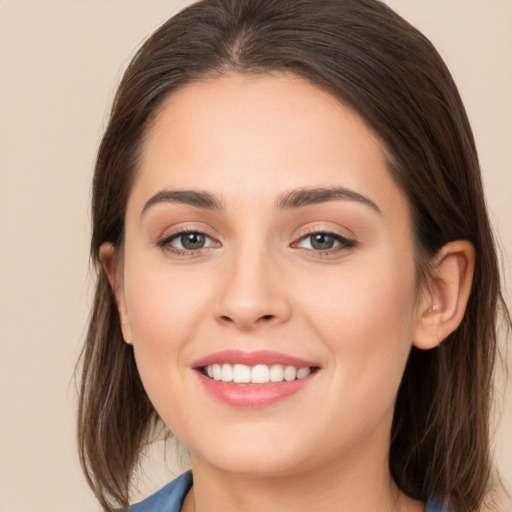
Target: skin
(259, 283)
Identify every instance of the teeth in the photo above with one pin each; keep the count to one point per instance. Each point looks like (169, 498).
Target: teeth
(241, 373)
(290, 373)
(217, 371)
(227, 373)
(259, 374)
(303, 372)
(276, 373)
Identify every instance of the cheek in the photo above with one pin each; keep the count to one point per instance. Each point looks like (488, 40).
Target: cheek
(365, 316)
(362, 297)
(165, 311)
(163, 306)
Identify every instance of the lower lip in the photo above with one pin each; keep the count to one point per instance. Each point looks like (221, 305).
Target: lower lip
(253, 395)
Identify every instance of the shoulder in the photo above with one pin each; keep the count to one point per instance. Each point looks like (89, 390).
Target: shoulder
(497, 499)
(168, 499)
(437, 505)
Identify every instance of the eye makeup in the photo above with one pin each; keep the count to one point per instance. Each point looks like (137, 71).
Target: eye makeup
(189, 241)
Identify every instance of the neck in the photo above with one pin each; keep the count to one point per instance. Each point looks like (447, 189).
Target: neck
(351, 485)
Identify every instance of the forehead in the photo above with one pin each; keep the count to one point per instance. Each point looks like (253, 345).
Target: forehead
(260, 134)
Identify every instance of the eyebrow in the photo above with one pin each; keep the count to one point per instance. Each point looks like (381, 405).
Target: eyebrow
(308, 196)
(197, 198)
(297, 198)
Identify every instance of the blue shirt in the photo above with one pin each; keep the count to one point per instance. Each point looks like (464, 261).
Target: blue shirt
(170, 498)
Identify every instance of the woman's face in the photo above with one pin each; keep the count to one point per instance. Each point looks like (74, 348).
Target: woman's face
(265, 237)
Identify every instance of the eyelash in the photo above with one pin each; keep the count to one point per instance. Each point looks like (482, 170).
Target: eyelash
(165, 242)
(344, 243)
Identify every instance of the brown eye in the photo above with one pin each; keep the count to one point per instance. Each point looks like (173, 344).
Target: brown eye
(324, 241)
(186, 241)
(192, 241)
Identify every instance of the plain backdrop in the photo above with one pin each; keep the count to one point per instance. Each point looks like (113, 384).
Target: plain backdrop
(60, 61)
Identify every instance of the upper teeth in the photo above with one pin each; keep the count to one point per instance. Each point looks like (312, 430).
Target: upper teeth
(259, 374)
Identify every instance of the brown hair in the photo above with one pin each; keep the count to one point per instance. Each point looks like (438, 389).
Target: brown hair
(371, 59)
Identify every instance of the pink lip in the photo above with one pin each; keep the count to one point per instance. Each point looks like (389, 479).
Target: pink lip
(252, 358)
(252, 395)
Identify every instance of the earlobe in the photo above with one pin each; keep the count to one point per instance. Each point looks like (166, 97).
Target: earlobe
(444, 302)
(108, 258)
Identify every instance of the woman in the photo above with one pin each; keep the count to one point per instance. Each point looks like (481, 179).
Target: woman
(299, 278)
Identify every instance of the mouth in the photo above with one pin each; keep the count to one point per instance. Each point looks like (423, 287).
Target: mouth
(254, 379)
(257, 374)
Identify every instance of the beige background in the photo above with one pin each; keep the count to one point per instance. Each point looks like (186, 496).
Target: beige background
(59, 63)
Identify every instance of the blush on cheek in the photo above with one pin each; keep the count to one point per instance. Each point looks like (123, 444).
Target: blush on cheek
(369, 325)
(163, 307)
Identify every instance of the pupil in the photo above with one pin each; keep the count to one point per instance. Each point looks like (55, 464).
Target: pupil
(322, 241)
(192, 241)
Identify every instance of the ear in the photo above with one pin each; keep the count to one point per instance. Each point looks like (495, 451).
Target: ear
(444, 301)
(109, 261)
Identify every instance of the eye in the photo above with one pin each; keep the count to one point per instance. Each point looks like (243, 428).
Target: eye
(186, 241)
(324, 241)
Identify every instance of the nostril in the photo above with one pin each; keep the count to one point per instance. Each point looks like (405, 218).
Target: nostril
(248, 322)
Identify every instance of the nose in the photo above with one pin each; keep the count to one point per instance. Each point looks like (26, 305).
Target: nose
(254, 292)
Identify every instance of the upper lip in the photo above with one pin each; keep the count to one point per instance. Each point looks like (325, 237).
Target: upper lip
(253, 358)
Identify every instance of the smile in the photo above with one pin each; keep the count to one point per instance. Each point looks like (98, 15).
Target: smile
(254, 379)
(258, 374)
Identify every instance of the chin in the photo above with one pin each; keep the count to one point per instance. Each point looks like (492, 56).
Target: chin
(256, 452)
(256, 464)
